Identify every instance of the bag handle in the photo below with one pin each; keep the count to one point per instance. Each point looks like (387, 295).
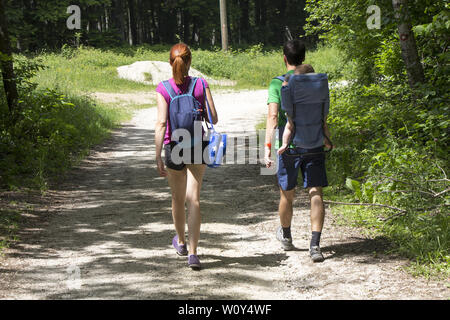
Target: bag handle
(207, 107)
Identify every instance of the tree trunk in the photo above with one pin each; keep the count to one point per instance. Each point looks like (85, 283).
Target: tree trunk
(282, 5)
(224, 24)
(186, 26)
(194, 36)
(9, 81)
(257, 14)
(408, 45)
(132, 23)
(118, 18)
(244, 24)
(154, 25)
(263, 22)
(106, 19)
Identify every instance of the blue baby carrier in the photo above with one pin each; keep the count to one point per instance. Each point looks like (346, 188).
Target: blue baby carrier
(184, 110)
(306, 100)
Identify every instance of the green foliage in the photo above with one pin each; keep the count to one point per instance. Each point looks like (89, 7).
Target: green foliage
(89, 69)
(48, 132)
(433, 38)
(35, 25)
(392, 142)
(255, 66)
(251, 67)
(330, 60)
(343, 23)
(390, 150)
(51, 131)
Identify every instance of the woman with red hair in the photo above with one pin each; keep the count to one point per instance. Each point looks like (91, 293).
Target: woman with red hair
(185, 179)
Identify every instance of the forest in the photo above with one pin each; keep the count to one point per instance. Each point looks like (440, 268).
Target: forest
(390, 123)
(41, 24)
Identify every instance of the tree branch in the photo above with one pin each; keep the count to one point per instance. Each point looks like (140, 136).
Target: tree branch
(442, 192)
(439, 180)
(443, 171)
(393, 216)
(397, 180)
(365, 204)
(407, 191)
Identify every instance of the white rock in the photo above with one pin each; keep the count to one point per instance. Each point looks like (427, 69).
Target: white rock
(153, 72)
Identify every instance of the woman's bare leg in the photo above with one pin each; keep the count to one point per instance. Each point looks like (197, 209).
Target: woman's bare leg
(195, 174)
(177, 182)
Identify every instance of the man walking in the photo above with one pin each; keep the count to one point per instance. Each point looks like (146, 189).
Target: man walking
(312, 166)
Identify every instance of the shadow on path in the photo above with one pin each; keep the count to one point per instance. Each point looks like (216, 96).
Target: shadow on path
(114, 224)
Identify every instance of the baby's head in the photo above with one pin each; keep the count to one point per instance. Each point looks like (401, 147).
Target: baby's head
(304, 68)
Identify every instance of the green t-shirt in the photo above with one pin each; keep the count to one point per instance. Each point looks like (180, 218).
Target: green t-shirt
(275, 97)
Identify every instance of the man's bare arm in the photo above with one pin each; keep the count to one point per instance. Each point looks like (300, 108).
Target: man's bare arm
(327, 133)
(271, 125)
(288, 130)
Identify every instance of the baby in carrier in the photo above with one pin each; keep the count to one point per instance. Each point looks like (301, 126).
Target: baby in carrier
(290, 126)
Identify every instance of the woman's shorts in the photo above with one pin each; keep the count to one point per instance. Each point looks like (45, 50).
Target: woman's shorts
(312, 167)
(190, 158)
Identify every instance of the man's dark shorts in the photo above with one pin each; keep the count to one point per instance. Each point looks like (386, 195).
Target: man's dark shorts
(168, 156)
(311, 165)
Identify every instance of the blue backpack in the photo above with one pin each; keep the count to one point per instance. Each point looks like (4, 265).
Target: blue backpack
(184, 111)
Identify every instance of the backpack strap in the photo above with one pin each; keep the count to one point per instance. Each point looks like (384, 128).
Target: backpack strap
(286, 77)
(169, 89)
(295, 126)
(199, 111)
(192, 86)
(281, 78)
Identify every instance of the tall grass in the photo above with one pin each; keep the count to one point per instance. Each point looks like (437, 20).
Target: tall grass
(255, 67)
(330, 60)
(85, 70)
(89, 69)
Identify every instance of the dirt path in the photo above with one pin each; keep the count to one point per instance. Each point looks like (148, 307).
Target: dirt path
(112, 224)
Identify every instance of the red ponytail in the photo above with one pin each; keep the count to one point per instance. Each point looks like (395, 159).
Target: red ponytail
(180, 58)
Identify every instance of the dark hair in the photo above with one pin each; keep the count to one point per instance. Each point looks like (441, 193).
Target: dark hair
(294, 50)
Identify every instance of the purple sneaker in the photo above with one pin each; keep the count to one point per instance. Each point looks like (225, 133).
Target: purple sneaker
(181, 248)
(194, 262)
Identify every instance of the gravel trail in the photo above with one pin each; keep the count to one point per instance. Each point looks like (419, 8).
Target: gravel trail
(109, 230)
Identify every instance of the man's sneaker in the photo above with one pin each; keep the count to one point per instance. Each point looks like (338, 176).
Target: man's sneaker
(181, 248)
(286, 243)
(316, 254)
(194, 262)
